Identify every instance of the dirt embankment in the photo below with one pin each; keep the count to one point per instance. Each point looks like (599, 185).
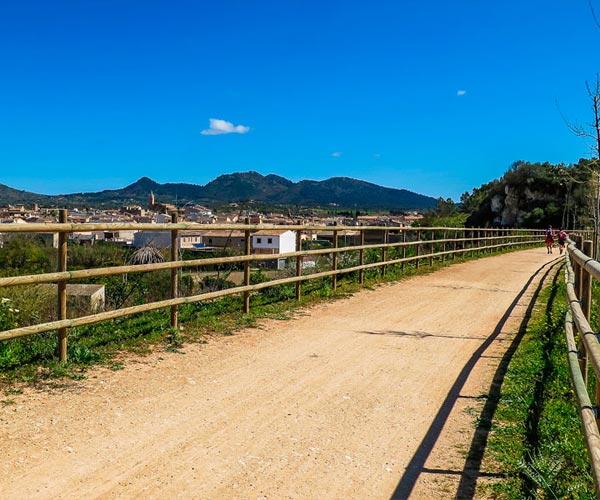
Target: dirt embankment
(362, 398)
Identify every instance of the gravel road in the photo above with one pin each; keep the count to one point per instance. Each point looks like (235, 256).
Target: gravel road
(370, 397)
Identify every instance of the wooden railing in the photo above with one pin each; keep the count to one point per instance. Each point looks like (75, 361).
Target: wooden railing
(418, 245)
(580, 269)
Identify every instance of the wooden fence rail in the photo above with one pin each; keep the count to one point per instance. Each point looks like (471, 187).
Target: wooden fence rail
(415, 245)
(580, 269)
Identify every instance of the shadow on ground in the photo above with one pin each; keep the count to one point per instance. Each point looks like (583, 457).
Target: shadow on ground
(472, 468)
(420, 335)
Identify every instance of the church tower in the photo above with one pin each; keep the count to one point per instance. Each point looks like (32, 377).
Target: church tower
(151, 200)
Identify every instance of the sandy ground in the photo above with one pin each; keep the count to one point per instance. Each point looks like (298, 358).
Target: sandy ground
(369, 397)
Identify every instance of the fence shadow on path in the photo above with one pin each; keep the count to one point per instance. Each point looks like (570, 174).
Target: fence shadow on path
(419, 335)
(471, 470)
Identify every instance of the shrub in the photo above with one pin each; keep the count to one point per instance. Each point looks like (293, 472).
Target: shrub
(8, 314)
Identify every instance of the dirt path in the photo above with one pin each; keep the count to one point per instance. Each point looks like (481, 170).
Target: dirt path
(362, 398)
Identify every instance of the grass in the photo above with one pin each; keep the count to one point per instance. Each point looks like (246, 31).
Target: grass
(33, 360)
(536, 441)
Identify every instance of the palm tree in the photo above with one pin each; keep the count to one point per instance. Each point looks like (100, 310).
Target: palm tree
(146, 255)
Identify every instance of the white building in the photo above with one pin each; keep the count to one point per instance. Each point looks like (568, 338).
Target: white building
(271, 242)
(122, 237)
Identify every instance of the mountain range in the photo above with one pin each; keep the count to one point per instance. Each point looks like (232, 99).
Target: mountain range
(237, 187)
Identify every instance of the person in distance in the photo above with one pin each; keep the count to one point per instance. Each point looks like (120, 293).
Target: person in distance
(549, 239)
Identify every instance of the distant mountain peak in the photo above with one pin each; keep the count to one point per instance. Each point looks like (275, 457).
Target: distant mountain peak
(240, 186)
(145, 181)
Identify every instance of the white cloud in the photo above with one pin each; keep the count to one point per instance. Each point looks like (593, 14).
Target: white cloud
(461, 92)
(218, 127)
(336, 154)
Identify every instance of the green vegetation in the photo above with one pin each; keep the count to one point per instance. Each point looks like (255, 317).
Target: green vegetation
(31, 254)
(530, 195)
(536, 440)
(445, 214)
(534, 195)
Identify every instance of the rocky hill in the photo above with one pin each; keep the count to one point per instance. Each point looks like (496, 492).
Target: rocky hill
(534, 195)
(238, 187)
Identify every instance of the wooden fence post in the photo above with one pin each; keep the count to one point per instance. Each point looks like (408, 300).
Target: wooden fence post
(403, 249)
(480, 242)
(62, 287)
(583, 362)
(384, 250)
(431, 245)
(469, 241)
(576, 275)
(455, 244)
(335, 260)
(174, 271)
(247, 251)
(579, 273)
(586, 283)
(361, 256)
(298, 264)
(444, 236)
(418, 249)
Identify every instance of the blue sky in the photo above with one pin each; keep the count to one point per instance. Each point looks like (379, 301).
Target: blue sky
(433, 96)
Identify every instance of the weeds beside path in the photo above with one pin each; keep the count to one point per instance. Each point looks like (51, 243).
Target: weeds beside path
(536, 441)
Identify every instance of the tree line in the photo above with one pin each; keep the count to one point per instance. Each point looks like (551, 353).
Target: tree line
(527, 195)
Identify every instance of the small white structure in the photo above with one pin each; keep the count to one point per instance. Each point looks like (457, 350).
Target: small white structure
(190, 239)
(271, 242)
(81, 299)
(86, 297)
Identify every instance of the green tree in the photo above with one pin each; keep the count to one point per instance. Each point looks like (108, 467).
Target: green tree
(26, 255)
(533, 195)
(445, 214)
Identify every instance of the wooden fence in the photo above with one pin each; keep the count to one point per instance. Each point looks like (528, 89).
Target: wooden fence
(580, 270)
(414, 247)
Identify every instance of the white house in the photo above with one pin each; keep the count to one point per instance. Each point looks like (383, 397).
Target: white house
(271, 242)
(190, 239)
(122, 237)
